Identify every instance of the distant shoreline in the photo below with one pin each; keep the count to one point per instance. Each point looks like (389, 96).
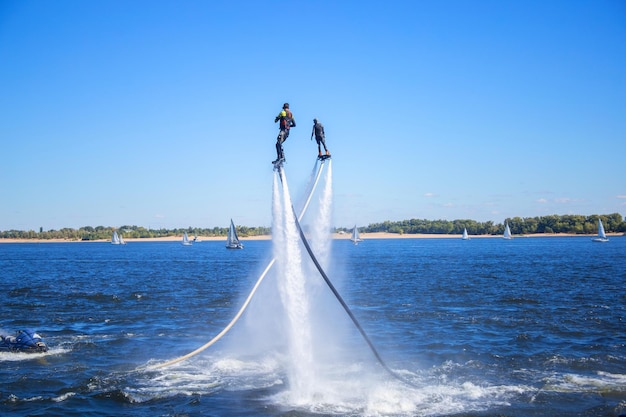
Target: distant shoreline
(338, 236)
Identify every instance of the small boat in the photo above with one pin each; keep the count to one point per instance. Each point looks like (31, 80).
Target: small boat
(232, 241)
(117, 239)
(355, 236)
(465, 235)
(601, 234)
(186, 241)
(507, 232)
(23, 341)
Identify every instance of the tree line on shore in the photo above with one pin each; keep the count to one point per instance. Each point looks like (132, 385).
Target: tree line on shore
(133, 232)
(573, 224)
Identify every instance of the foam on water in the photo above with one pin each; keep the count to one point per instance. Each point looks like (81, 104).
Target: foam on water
(350, 391)
(23, 356)
(604, 383)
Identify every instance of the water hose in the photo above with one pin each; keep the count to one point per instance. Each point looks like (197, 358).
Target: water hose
(313, 182)
(264, 273)
(342, 302)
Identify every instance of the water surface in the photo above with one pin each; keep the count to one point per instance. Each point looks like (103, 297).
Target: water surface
(486, 327)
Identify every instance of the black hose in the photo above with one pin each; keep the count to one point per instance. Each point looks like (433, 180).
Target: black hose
(342, 302)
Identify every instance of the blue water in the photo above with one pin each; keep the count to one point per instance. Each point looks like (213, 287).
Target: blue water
(486, 327)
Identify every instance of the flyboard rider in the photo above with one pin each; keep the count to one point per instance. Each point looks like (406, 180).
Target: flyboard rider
(320, 138)
(287, 121)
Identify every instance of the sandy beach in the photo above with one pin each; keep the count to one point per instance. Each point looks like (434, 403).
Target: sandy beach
(338, 236)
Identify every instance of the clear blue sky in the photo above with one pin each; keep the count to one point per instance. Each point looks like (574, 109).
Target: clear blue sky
(161, 113)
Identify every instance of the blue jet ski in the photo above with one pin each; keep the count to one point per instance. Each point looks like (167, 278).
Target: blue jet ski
(23, 341)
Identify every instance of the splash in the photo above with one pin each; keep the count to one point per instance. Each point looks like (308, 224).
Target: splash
(298, 351)
(321, 241)
(291, 286)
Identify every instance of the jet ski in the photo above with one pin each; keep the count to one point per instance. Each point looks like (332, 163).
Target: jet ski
(23, 341)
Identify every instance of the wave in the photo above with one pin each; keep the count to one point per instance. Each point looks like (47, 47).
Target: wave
(22, 356)
(350, 389)
(603, 383)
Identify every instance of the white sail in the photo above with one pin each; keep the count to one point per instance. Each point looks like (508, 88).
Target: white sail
(115, 239)
(465, 235)
(507, 232)
(601, 234)
(232, 241)
(121, 239)
(186, 241)
(355, 236)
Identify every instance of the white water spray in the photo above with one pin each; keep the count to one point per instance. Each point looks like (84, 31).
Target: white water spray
(291, 285)
(278, 234)
(323, 377)
(321, 241)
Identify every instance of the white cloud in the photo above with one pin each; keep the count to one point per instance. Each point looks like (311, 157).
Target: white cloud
(566, 200)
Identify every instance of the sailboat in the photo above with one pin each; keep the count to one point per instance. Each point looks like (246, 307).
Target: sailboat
(507, 232)
(355, 236)
(465, 235)
(121, 239)
(232, 242)
(115, 239)
(601, 235)
(186, 241)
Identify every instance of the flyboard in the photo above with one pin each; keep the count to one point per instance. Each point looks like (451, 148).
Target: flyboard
(278, 163)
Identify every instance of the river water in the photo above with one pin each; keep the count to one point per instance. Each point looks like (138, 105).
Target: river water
(486, 327)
